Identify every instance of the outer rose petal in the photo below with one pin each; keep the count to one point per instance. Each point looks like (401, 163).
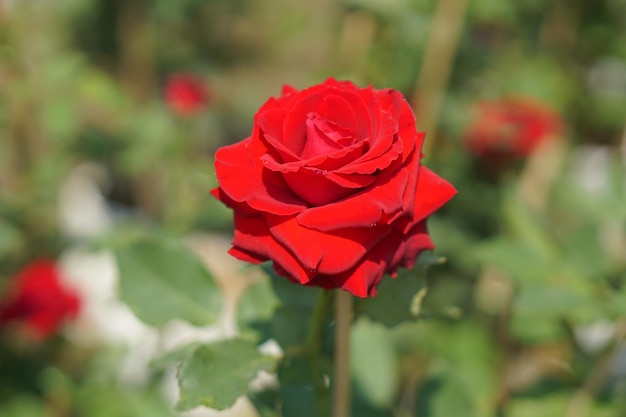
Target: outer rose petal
(396, 250)
(384, 198)
(252, 238)
(242, 181)
(325, 253)
(432, 193)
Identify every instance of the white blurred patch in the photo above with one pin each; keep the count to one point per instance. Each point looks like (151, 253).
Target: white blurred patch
(104, 320)
(83, 210)
(607, 77)
(590, 169)
(595, 336)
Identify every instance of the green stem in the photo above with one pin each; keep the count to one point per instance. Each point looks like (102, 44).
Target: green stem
(341, 379)
(315, 338)
(437, 66)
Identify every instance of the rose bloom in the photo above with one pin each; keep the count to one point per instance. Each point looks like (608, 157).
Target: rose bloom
(511, 127)
(186, 94)
(38, 301)
(329, 187)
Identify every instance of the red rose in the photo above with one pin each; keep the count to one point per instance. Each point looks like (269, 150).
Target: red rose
(512, 127)
(185, 94)
(38, 300)
(329, 187)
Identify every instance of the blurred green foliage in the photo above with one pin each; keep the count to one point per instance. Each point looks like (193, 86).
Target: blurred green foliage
(502, 328)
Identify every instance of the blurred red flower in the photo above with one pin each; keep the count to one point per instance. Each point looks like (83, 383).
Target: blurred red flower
(38, 300)
(186, 94)
(511, 127)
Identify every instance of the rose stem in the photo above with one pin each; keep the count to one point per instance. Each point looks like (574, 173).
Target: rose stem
(341, 380)
(314, 342)
(436, 67)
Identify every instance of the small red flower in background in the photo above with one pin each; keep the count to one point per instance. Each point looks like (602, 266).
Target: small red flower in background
(38, 300)
(186, 94)
(512, 127)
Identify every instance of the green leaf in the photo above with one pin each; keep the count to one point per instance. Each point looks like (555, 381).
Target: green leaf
(265, 402)
(392, 305)
(290, 326)
(543, 301)
(445, 396)
(162, 280)
(22, 406)
(296, 389)
(173, 357)
(373, 362)
(289, 293)
(520, 261)
(10, 239)
(555, 405)
(255, 310)
(216, 375)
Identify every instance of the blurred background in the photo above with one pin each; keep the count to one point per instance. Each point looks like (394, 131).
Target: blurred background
(111, 111)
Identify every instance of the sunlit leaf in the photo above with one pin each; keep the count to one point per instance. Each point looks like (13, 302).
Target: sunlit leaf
(216, 375)
(373, 362)
(161, 280)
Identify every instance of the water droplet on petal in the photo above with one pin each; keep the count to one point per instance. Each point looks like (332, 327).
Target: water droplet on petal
(374, 224)
(266, 162)
(313, 271)
(318, 171)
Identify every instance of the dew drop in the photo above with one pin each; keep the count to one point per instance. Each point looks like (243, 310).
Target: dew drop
(318, 171)
(313, 271)
(374, 224)
(266, 162)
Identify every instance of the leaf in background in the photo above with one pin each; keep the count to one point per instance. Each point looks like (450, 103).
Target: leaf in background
(10, 239)
(161, 280)
(173, 357)
(545, 301)
(265, 402)
(445, 396)
(255, 310)
(289, 325)
(373, 363)
(291, 294)
(527, 226)
(554, 405)
(296, 389)
(392, 304)
(23, 406)
(216, 375)
(517, 259)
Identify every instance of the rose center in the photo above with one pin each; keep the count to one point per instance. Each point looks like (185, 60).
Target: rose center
(324, 136)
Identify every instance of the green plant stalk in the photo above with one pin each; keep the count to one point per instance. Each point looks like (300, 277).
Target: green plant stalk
(315, 339)
(436, 68)
(341, 379)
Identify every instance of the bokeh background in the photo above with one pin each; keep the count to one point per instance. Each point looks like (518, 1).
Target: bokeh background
(111, 111)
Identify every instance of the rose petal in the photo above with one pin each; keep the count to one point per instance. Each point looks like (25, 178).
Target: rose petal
(371, 163)
(432, 193)
(252, 238)
(384, 197)
(261, 189)
(410, 246)
(325, 253)
(241, 208)
(287, 90)
(314, 187)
